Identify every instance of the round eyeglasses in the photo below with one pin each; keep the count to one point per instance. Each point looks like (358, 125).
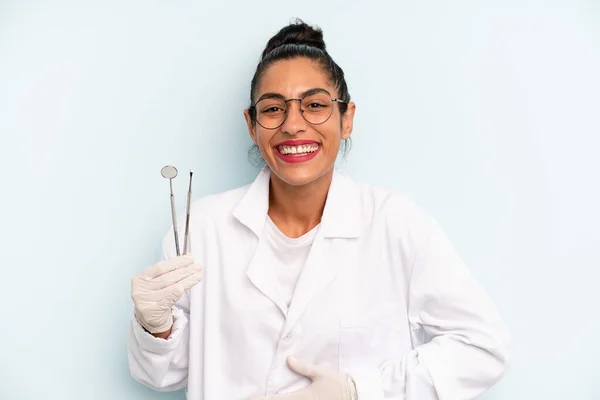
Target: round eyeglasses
(316, 107)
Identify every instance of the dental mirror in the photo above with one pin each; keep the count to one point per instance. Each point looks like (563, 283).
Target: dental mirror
(170, 172)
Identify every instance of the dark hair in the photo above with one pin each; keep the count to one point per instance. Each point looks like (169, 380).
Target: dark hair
(294, 41)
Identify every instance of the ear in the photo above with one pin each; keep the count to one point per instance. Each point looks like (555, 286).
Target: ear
(251, 126)
(348, 120)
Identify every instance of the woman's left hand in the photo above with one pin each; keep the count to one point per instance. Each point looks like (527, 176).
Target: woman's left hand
(326, 384)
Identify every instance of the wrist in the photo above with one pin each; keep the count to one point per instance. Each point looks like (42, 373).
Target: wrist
(163, 331)
(162, 335)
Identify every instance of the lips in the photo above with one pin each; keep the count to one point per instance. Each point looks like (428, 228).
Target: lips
(296, 151)
(296, 142)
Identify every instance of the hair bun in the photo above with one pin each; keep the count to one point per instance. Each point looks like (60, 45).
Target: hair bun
(297, 32)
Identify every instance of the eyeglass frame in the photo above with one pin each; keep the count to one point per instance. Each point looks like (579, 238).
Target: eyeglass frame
(252, 108)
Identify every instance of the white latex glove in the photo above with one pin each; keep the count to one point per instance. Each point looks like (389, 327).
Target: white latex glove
(327, 384)
(157, 288)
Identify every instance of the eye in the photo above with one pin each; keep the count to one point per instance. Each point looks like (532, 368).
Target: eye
(315, 105)
(271, 109)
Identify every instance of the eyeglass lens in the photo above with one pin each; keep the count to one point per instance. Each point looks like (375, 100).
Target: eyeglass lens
(315, 108)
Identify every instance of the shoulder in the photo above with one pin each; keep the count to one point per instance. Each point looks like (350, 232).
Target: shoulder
(391, 203)
(395, 211)
(218, 206)
(206, 212)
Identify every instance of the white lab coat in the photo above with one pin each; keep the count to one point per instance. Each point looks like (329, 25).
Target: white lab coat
(383, 297)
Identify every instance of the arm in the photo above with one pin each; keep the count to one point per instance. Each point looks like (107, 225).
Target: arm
(161, 364)
(160, 360)
(469, 349)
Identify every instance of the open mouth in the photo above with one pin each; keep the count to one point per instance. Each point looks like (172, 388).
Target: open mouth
(301, 150)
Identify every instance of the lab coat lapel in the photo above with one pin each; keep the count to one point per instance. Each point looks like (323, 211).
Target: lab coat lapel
(252, 212)
(254, 205)
(262, 274)
(341, 217)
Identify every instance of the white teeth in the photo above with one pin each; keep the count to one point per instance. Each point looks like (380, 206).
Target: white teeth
(303, 149)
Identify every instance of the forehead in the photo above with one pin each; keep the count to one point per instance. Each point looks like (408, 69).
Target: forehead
(292, 77)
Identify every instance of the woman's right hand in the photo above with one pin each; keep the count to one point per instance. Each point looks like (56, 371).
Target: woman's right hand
(157, 288)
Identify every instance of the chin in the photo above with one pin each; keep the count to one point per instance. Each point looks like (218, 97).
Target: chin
(300, 175)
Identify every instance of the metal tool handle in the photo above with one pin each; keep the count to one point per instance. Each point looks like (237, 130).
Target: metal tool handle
(187, 216)
(187, 225)
(175, 225)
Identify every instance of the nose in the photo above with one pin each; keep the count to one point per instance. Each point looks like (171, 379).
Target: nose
(294, 122)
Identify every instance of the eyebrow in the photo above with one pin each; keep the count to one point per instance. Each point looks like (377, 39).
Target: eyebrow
(270, 95)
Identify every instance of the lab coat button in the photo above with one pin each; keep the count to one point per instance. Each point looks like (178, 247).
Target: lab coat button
(288, 337)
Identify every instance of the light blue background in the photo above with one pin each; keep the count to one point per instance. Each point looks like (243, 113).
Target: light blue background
(485, 112)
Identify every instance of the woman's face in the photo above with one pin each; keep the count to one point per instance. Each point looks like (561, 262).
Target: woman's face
(298, 152)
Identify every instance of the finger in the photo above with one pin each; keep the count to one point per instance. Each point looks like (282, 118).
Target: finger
(302, 368)
(166, 266)
(175, 291)
(192, 280)
(175, 276)
(170, 295)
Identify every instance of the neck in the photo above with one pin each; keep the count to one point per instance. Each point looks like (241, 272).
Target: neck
(298, 209)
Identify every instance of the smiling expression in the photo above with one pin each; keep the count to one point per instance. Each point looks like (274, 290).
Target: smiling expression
(299, 152)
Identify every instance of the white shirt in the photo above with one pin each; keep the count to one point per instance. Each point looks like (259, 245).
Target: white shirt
(381, 278)
(288, 256)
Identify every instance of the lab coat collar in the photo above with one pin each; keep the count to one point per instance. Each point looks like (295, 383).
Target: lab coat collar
(340, 215)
